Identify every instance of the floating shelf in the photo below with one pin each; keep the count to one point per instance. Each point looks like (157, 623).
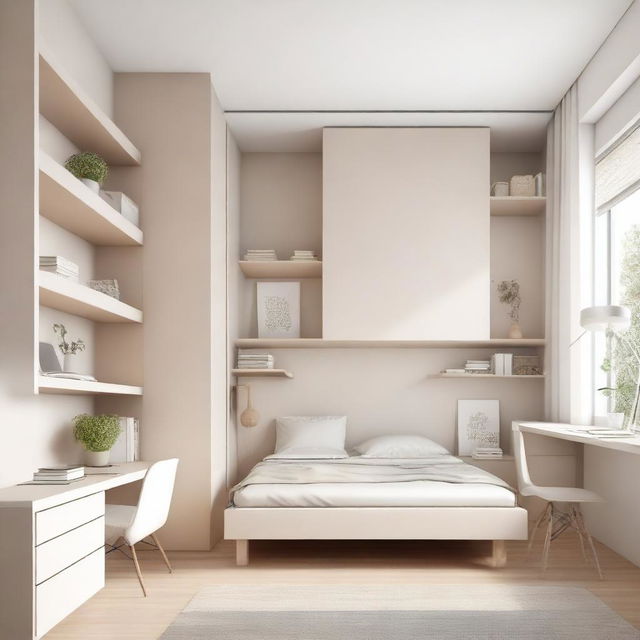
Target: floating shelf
(517, 205)
(281, 269)
(261, 373)
(82, 387)
(64, 295)
(484, 376)
(79, 118)
(70, 204)
(319, 343)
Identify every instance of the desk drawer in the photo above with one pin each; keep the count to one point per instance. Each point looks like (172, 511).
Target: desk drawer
(58, 520)
(61, 552)
(59, 596)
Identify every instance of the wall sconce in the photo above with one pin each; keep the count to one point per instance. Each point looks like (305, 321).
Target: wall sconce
(249, 417)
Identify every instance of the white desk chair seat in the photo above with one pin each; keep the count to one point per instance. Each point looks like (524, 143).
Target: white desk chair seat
(134, 524)
(557, 521)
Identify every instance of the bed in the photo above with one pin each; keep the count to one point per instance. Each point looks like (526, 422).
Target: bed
(437, 497)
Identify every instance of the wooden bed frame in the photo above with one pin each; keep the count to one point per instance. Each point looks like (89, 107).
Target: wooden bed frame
(498, 524)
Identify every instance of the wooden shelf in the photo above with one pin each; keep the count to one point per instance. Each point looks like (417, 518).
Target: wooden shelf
(319, 343)
(281, 269)
(261, 373)
(64, 295)
(70, 204)
(517, 205)
(67, 386)
(484, 376)
(79, 118)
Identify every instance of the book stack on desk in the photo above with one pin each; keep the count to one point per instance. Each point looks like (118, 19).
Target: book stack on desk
(63, 474)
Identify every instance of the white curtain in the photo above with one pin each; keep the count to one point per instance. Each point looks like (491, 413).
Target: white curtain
(562, 254)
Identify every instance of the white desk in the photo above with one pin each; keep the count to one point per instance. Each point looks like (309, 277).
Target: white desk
(576, 433)
(52, 548)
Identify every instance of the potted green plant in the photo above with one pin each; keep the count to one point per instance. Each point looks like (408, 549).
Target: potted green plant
(614, 418)
(89, 168)
(97, 435)
(68, 349)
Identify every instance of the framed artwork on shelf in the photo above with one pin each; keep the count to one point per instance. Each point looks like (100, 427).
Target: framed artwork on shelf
(278, 309)
(478, 425)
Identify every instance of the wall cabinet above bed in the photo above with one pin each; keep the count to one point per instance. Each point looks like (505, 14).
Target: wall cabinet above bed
(406, 233)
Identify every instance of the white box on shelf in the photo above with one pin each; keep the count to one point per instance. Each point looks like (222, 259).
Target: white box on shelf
(523, 186)
(122, 203)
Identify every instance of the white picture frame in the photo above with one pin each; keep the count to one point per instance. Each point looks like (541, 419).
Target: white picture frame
(478, 425)
(278, 309)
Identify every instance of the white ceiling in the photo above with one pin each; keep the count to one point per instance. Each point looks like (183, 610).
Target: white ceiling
(358, 55)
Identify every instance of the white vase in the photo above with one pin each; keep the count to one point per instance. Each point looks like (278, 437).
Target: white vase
(515, 332)
(92, 184)
(615, 420)
(96, 458)
(68, 362)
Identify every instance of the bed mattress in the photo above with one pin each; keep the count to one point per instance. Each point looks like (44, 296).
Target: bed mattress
(294, 485)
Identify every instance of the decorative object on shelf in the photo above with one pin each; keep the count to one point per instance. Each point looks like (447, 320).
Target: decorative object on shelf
(68, 349)
(255, 361)
(478, 425)
(614, 320)
(540, 184)
(487, 453)
(526, 366)
(127, 446)
(502, 364)
(522, 186)
(50, 365)
(89, 168)
(261, 255)
(500, 189)
(123, 204)
(249, 417)
(303, 255)
(509, 292)
(278, 309)
(60, 266)
(108, 287)
(97, 434)
(477, 366)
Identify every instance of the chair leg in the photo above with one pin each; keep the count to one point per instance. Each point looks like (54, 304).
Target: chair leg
(587, 535)
(164, 555)
(547, 540)
(541, 518)
(575, 523)
(137, 565)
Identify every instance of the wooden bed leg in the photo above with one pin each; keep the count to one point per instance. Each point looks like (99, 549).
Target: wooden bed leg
(242, 553)
(499, 553)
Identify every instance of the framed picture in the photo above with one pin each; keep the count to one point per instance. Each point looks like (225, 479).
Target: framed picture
(278, 309)
(478, 425)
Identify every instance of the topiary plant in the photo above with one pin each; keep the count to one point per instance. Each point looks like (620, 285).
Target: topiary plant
(96, 433)
(87, 165)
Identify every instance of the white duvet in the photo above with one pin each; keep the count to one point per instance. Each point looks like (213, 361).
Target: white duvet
(367, 482)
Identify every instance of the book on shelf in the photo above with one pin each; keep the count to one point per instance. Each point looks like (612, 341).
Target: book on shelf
(127, 446)
(260, 255)
(487, 453)
(502, 364)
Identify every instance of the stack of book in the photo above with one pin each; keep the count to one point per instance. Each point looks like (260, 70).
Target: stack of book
(302, 255)
(255, 361)
(60, 266)
(63, 474)
(487, 453)
(261, 255)
(502, 364)
(477, 366)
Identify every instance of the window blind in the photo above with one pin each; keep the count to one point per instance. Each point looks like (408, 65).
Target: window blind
(618, 173)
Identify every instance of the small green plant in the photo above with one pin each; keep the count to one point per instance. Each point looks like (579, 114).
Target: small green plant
(509, 292)
(68, 348)
(96, 433)
(87, 165)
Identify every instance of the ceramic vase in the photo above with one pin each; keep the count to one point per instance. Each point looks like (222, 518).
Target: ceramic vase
(615, 420)
(92, 184)
(96, 458)
(515, 332)
(68, 362)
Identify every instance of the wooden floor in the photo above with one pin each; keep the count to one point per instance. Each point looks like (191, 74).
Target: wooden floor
(120, 611)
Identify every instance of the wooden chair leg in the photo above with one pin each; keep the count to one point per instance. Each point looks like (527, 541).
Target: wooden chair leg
(541, 519)
(575, 523)
(547, 540)
(242, 553)
(587, 535)
(164, 555)
(499, 553)
(137, 565)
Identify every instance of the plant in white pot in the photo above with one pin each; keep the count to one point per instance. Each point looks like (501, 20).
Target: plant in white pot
(614, 418)
(509, 293)
(89, 168)
(97, 435)
(68, 349)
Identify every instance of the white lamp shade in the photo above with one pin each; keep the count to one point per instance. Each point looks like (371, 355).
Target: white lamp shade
(614, 317)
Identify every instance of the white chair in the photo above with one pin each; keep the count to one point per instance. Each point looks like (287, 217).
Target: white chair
(134, 524)
(557, 521)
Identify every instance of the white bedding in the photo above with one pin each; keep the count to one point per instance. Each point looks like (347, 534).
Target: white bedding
(442, 481)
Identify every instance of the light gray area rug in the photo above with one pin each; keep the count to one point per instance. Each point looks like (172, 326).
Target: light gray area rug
(397, 612)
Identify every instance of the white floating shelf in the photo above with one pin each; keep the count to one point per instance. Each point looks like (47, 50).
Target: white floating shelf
(262, 373)
(79, 118)
(319, 343)
(70, 204)
(281, 269)
(67, 386)
(64, 295)
(517, 205)
(484, 376)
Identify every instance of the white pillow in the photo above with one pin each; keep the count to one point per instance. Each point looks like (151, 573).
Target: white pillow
(321, 436)
(409, 446)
